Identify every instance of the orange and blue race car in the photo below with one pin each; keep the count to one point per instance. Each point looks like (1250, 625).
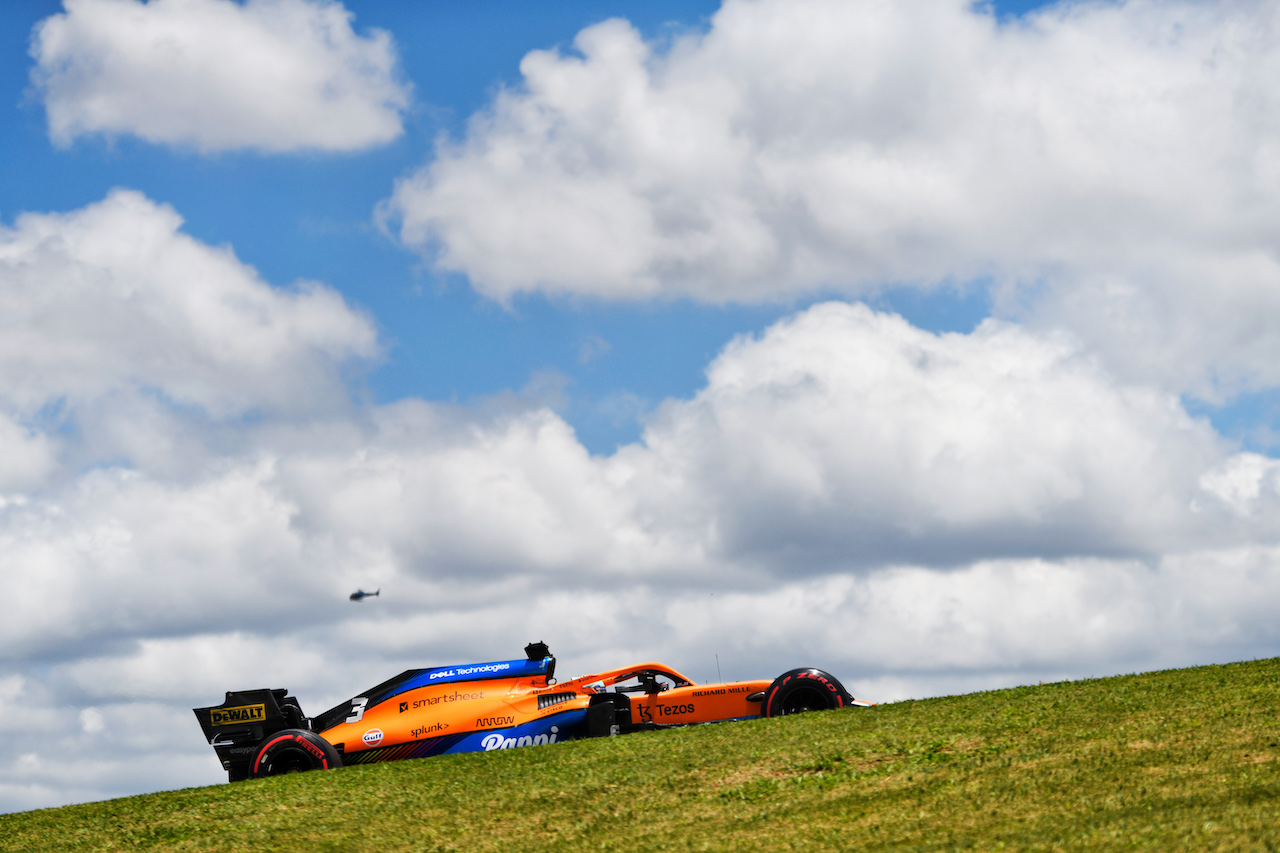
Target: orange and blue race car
(489, 706)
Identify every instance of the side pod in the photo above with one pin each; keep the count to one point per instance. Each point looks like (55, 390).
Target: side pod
(245, 718)
(608, 714)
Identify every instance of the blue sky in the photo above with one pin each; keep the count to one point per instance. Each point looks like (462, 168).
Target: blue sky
(311, 216)
(929, 343)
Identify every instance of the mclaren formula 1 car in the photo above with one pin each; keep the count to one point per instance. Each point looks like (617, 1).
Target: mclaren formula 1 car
(488, 706)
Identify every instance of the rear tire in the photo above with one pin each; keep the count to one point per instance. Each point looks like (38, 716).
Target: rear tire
(293, 751)
(803, 690)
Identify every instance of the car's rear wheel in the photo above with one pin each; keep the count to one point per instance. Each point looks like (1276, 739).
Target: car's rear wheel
(803, 690)
(293, 751)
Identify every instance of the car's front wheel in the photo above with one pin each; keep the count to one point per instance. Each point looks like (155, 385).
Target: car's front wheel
(293, 751)
(803, 690)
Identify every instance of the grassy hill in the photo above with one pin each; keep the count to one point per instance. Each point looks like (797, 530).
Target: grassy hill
(1178, 760)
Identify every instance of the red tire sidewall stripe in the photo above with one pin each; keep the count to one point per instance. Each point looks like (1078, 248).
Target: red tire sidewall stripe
(769, 696)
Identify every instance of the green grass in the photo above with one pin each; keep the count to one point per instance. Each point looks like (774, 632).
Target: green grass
(1179, 760)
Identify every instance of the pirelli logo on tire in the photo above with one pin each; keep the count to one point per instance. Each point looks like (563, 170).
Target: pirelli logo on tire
(236, 716)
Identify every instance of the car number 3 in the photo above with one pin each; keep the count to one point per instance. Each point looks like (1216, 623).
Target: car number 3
(357, 710)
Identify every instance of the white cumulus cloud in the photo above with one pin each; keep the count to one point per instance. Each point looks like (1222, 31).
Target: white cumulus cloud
(217, 75)
(114, 298)
(1112, 167)
(843, 437)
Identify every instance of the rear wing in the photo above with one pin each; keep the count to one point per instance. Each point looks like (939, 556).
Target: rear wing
(245, 718)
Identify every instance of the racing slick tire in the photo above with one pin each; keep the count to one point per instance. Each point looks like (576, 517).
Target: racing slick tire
(803, 690)
(293, 751)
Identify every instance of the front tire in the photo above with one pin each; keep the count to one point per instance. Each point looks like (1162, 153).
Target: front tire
(293, 751)
(803, 690)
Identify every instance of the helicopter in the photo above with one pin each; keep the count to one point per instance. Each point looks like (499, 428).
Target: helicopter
(361, 595)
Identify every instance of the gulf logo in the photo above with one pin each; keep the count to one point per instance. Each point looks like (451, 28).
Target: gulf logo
(373, 737)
